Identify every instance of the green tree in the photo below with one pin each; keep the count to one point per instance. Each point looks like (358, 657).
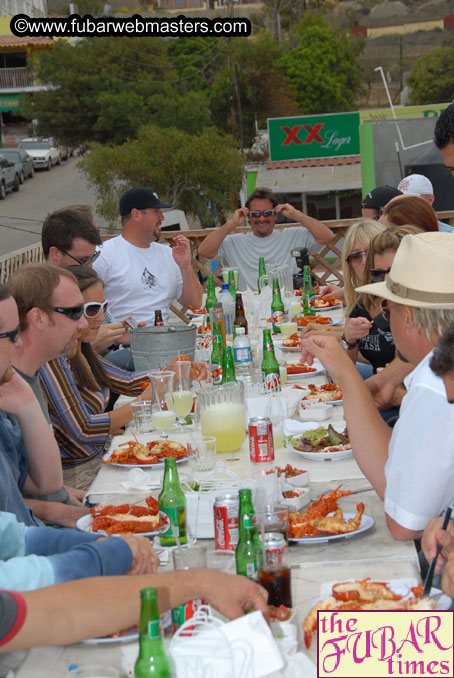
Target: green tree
(187, 170)
(321, 67)
(432, 77)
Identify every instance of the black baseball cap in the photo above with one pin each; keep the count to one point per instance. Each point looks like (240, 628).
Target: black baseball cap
(140, 198)
(380, 197)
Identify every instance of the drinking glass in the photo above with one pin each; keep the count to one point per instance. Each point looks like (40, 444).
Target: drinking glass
(273, 519)
(163, 412)
(188, 557)
(288, 328)
(274, 575)
(182, 394)
(202, 453)
(295, 306)
(141, 412)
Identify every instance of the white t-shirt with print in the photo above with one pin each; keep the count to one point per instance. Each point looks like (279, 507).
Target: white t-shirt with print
(138, 280)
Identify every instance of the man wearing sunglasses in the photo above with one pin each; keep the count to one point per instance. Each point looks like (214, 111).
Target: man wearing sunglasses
(411, 466)
(245, 249)
(50, 307)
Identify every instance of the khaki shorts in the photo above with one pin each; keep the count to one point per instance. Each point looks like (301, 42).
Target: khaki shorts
(82, 476)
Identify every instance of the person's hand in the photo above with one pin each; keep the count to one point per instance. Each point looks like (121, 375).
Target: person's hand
(200, 371)
(144, 558)
(181, 251)
(314, 329)
(447, 581)
(381, 390)
(356, 328)
(330, 353)
(434, 535)
(234, 594)
(238, 218)
(108, 334)
(75, 495)
(15, 393)
(288, 211)
(332, 289)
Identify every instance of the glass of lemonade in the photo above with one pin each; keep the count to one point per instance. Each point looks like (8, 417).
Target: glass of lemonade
(295, 306)
(163, 407)
(222, 415)
(181, 394)
(289, 328)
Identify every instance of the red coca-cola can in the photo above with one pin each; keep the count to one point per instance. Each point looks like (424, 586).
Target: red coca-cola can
(226, 508)
(274, 546)
(261, 445)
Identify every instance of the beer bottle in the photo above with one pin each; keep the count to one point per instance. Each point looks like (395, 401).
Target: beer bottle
(152, 659)
(262, 271)
(308, 292)
(211, 297)
(240, 317)
(216, 355)
(232, 285)
(270, 366)
(246, 550)
(277, 307)
(158, 319)
(172, 506)
(228, 366)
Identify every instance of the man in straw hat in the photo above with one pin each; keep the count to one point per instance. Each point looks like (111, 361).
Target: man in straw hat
(410, 467)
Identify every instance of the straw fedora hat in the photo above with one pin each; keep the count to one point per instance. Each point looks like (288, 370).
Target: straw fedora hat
(422, 273)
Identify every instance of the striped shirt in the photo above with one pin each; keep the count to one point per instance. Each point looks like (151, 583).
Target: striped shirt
(81, 425)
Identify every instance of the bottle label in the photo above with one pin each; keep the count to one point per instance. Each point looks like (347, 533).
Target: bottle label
(272, 381)
(268, 347)
(243, 354)
(216, 373)
(154, 629)
(278, 318)
(251, 570)
(167, 518)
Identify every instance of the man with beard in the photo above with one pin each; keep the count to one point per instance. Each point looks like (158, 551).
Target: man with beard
(411, 466)
(49, 306)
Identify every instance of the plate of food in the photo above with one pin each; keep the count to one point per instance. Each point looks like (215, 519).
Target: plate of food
(299, 370)
(123, 519)
(152, 454)
(326, 303)
(291, 343)
(126, 636)
(365, 594)
(325, 393)
(323, 520)
(304, 320)
(322, 444)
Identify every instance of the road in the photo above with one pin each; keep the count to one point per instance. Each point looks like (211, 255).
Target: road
(22, 213)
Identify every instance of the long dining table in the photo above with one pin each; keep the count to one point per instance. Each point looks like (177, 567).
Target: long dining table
(373, 553)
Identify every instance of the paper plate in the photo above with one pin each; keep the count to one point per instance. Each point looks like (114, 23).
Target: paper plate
(85, 524)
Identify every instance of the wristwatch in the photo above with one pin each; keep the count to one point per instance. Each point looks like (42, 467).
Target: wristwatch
(345, 344)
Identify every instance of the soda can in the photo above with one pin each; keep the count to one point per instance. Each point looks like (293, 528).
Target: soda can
(226, 507)
(261, 445)
(182, 613)
(274, 546)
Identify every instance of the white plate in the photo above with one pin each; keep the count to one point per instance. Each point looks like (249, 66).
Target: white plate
(327, 308)
(325, 456)
(128, 637)
(290, 349)
(366, 523)
(327, 402)
(318, 370)
(85, 524)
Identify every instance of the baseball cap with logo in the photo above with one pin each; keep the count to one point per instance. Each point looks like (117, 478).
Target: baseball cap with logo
(416, 184)
(140, 198)
(379, 197)
(421, 274)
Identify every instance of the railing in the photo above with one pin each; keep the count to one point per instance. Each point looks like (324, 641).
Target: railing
(16, 78)
(325, 264)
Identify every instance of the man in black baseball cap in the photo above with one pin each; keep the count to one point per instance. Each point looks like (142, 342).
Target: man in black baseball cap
(374, 201)
(140, 275)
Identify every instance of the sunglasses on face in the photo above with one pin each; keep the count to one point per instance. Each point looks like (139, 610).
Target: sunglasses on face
(257, 213)
(385, 308)
(378, 274)
(356, 256)
(12, 335)
(72, 312)
(84, 260)
(94, 308)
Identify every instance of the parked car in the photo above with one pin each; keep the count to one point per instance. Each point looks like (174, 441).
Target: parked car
(23, 162)
(9, 177)
(42, 151)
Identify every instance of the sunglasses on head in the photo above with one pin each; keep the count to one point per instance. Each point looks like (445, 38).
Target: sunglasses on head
(378, 274)
(84, 260)
(257, 213)
(12, 335)
(72, 312)
(356, 256)
(94, 308)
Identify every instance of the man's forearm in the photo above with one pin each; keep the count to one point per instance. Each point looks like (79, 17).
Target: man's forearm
(322, 234)
(210, 246)
(55, 512)
(44, 464)
(192, 289)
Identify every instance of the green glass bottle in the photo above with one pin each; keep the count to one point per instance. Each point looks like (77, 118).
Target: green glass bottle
(262, 271)
(277, 307)
(228, 365)
(232, 285)
(248, 539)
(172, 506)
(211, 294)
(216, 355)
(152, 659)
(308, 292)
(270, 366)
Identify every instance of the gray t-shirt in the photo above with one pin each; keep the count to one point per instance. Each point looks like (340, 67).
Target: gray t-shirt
(245, 249)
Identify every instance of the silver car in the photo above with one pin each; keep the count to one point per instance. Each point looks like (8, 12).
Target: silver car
(23, 162)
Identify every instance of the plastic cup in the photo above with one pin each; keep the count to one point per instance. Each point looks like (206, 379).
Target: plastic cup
(189, 557)
(202, 453)
(141, 412)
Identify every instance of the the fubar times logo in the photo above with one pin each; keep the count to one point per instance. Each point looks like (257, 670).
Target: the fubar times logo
(388, 644)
